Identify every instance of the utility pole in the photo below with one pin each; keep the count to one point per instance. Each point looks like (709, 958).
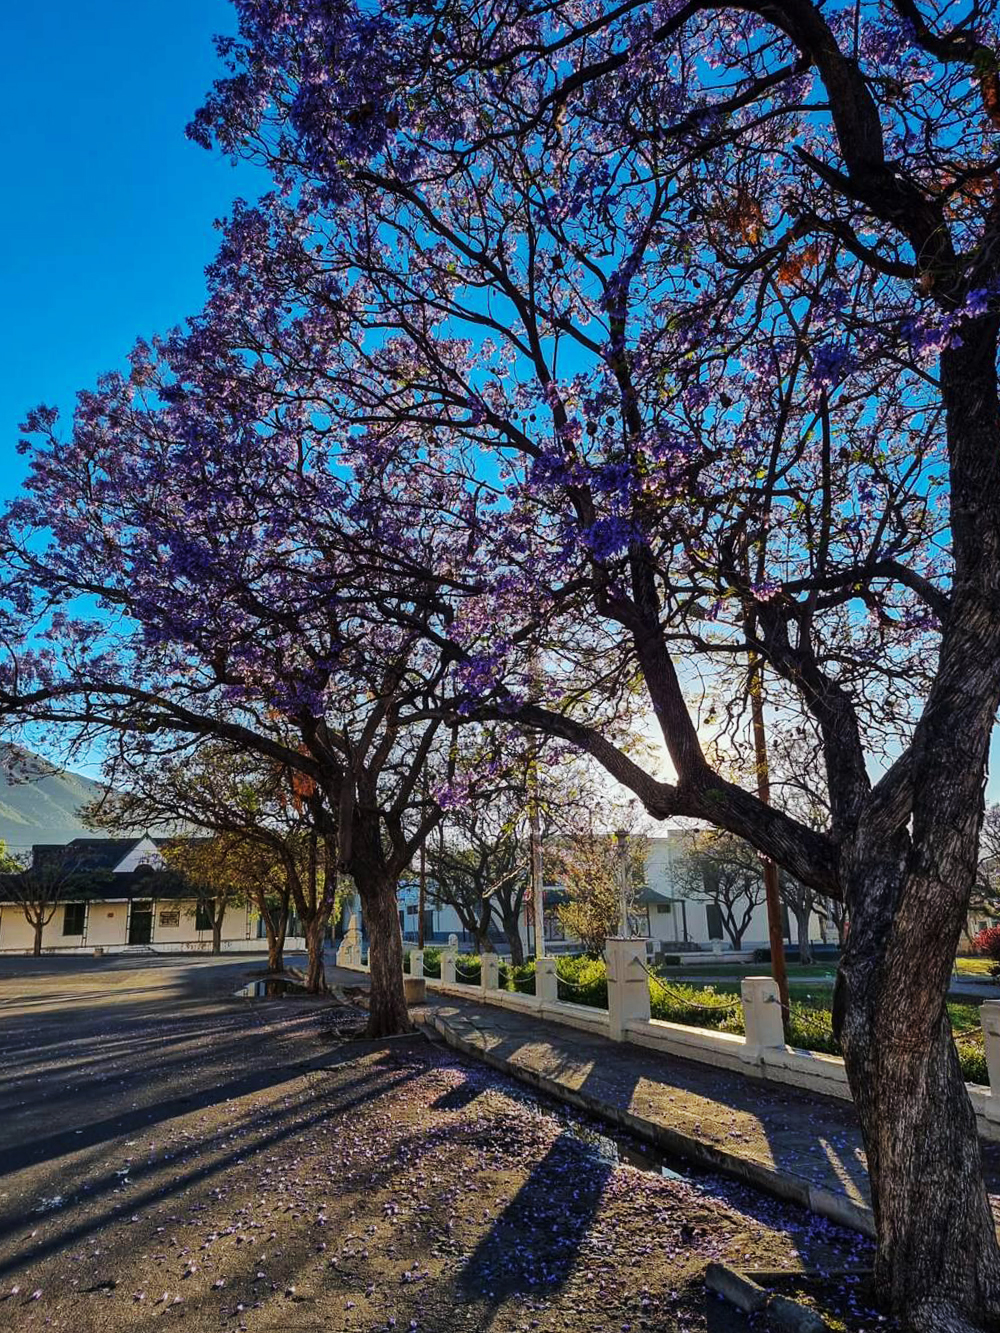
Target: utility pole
(535, 836)
(756, 686)
(421, 896)
(775, 933)
(625, 928)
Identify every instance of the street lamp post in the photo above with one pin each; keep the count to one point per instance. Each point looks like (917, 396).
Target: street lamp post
(622, 837)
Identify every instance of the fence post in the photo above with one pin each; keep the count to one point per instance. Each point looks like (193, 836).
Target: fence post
(416, 962)
(489, 971)
(762, 1024)
(448, 958)
(989, 1017)
(628, 985)
(546, 982)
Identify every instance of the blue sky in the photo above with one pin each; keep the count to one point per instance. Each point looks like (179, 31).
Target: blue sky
(107, 212)
(107, 209)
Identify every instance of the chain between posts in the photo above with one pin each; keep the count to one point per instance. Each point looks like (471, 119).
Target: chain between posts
(726, 1005)
(572, 985)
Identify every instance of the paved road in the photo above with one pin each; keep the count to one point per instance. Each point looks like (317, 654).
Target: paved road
(170, 1154)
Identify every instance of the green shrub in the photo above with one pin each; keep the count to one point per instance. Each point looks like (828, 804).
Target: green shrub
(696, 1006)
(468, 969)
(520, 978)
(432, 963)
(810, 1024)
(582, 980)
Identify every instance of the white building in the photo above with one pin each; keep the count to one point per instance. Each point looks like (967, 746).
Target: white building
(669, 916)
(127, 908)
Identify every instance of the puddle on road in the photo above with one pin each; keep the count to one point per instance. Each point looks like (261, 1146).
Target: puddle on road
(644, 1157)
(270, 990)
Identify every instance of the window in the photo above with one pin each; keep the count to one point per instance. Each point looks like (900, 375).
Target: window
(170, 916)
(412, 909)
(202, 917)
(74, 915)
(713, 915)
(638, 923)
(662, 909)
(553, 926)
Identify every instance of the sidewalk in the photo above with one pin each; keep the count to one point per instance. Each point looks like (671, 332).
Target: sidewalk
(800, 1147)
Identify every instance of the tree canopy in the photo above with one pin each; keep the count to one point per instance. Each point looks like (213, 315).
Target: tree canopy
(580, 353)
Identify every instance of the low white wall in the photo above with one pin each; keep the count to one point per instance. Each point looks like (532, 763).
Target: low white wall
(764, 1056)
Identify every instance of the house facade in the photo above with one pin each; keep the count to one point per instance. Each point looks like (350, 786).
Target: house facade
(128, 908)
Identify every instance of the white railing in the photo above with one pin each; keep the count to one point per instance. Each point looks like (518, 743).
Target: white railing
(760, 1053)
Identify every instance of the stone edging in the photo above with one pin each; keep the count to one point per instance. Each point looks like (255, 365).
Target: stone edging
(784, 1185)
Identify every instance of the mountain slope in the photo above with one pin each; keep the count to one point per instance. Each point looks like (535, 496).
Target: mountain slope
(39, 805)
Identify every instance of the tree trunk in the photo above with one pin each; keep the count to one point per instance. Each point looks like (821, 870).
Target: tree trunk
(937, 1261)
(275, 951)
(315, 929)
(217, 930)
(275, 941)
(513, 937)
(36, 949)
(387, 1014)
(802, 930)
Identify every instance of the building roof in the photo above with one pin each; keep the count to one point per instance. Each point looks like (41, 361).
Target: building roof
(87, 854)
(648, 897)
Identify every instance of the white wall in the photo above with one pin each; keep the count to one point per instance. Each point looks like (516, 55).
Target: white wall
(144, 853)
(107, 928)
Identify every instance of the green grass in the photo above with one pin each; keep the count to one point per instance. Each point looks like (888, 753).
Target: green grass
(973, 967)
(826, 969)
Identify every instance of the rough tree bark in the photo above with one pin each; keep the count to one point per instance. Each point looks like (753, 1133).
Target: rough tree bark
(513, 937)
(387, 1013)
(276, 928)
(802, 916)
(938, 1262)
(315, 929)
(218, 912)
(38, 926)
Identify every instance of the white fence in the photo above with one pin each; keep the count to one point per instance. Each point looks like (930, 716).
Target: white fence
(760, 1053)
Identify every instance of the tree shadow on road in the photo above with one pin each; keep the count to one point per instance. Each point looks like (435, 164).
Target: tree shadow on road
(533, 1245)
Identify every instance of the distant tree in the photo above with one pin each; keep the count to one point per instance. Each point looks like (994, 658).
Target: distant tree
(212, 869)
(985, 900)
(724, 871)
(795, 772)
(479, 867)
(589, 865)
(38, 884)
(252, 808)
(802, 901)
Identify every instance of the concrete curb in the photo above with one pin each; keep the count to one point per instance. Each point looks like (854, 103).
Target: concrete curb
(784, 1185)
(793, 1317)
(739, 1290)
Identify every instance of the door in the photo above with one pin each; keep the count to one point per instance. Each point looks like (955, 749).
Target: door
(140, 924)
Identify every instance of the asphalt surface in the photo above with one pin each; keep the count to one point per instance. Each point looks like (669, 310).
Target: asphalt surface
(172, 1155)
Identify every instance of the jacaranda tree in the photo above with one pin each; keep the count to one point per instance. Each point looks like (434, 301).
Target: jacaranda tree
(680, 319)
(178, 568)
